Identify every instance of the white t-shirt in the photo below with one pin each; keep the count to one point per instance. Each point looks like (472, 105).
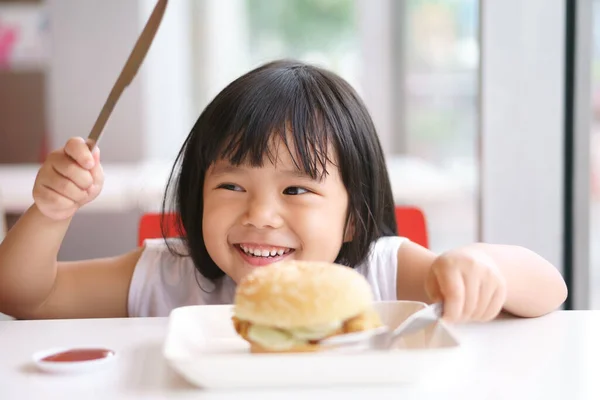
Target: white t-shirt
(162, 281)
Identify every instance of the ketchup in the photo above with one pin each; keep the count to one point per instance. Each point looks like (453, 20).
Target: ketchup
(78, 355)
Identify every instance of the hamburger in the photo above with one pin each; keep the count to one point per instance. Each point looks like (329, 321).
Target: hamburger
(293, 305)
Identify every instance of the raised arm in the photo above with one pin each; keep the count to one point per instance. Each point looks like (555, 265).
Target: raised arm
(33, 284)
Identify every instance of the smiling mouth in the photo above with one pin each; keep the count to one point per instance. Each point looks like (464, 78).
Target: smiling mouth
(264, 252)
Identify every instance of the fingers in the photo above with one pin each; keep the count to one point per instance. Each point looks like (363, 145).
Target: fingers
(78, 150)
(470, 286)
(69, 178)
(68, 189)
(486, 291)
(452, 289)
(50, 198)
(70, 183)
(432, 289)
(73, 172)
(472, 301)
(495, 305)
(97, 172)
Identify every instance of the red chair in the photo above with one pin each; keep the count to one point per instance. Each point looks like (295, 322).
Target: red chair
(149, 227)
(411, 224)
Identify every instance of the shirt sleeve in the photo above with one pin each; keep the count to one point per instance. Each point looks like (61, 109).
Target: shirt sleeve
(159, 281)
(381, 267)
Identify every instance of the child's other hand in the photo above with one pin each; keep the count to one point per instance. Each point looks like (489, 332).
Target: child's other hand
(469, 283)
(69, 178)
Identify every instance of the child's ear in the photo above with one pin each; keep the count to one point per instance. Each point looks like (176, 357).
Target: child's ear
(349, 230)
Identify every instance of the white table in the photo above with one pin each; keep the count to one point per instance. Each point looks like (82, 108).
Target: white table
(553, 357)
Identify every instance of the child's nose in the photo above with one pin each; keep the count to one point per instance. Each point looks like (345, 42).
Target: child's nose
(263, 213)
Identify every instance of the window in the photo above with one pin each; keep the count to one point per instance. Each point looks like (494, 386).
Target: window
(415, 62)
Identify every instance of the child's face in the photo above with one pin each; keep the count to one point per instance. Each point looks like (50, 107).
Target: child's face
(257, 216)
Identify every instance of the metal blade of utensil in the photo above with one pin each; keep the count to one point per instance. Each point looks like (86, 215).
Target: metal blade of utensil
(382, 338)
(129, 70)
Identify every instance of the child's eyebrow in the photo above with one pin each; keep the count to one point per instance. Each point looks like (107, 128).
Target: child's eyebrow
(296, 173)
(222, 169)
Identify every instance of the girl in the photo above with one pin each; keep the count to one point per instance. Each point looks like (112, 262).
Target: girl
(283, 164)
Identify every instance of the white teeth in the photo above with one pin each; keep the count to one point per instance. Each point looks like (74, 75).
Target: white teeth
(265, 253)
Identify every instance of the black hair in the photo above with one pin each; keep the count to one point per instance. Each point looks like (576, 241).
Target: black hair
(320, 110)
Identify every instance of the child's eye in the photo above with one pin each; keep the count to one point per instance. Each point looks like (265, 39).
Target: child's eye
(295, 190)
(230, 186)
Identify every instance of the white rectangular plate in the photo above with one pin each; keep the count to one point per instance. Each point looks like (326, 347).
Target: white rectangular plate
(202, 345)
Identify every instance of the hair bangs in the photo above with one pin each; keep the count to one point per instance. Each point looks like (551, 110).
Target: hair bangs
(285, 110)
